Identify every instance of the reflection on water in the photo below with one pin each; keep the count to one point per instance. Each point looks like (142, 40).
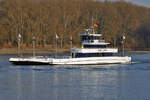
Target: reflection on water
(98, 82)
(65, 84)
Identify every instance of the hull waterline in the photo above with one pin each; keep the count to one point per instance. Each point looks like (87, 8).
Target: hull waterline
(71, 61)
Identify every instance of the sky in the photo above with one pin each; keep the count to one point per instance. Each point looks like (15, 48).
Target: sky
(145, 3)
(140, 2)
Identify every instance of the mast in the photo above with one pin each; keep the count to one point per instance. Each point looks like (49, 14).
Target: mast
(92, 25)
(123, 50)
(56, 45)
(33, 44)
(71, 45)
(19, 40)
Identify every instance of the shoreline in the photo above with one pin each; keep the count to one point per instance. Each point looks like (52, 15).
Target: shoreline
(139, 51)
(13, 51)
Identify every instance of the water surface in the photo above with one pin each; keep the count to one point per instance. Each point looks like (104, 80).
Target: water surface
(97, 82)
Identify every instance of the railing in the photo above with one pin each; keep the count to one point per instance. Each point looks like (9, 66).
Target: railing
(93, 50)
(62, 57)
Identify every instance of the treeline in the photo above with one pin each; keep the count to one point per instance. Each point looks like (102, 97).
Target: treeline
(46, 18)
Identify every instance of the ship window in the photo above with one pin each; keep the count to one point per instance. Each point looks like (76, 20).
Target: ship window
(84, 38)
(79, 55)
(96, 37)
(94, 46)
(107, 54)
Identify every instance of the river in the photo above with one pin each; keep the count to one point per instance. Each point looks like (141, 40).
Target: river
(89, 82)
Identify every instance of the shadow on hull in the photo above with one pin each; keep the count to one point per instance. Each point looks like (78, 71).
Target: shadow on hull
(39, 63)
(29, 63)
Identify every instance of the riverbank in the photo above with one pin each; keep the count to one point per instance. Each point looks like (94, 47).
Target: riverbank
(14, 51)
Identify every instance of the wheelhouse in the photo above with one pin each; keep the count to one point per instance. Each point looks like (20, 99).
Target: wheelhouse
(93, 45)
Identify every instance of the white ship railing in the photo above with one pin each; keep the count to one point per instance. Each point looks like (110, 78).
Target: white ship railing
(94, 50)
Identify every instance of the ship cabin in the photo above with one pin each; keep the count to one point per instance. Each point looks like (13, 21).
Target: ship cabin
(93, 45)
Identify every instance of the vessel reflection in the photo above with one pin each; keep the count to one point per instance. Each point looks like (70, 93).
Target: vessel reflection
(66, 82)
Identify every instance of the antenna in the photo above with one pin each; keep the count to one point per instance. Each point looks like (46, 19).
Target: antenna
(92, 20)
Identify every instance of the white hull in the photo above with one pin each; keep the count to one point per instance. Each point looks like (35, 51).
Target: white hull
(72, 61)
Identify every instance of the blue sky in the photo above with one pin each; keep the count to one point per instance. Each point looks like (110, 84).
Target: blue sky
(140, 2)
(145, 3)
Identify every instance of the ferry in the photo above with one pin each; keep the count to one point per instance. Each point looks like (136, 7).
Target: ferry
(94, 51)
